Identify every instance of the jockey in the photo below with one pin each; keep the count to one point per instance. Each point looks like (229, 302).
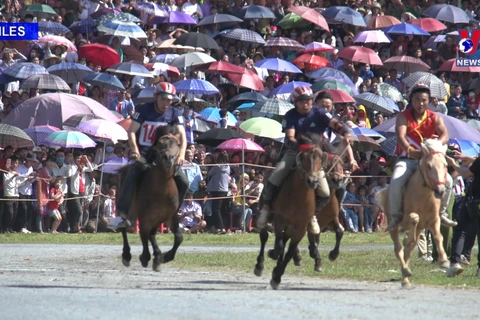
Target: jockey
(304, 118)
(413, 126)
(150, 121)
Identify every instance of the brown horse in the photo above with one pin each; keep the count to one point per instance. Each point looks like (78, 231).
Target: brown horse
(155, 202)
(293, 208)
(329, 216)
(421, 206)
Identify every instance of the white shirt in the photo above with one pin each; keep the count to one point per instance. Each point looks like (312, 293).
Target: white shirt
(26, 188)
(110, 208)
(11, 182)
(75, 176)
(61, 172)
(189, 8)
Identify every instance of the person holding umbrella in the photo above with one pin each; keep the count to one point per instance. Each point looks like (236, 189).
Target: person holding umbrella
(151, 120)
(304, 118)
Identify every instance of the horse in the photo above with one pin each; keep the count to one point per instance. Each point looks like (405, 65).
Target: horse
(156, 201)
(421, 206)
(293, 208)
(329, 216)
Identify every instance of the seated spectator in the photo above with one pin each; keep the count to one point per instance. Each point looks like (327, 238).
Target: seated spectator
(364, 213)
(190, 215)
(349, 199)
(375, 187)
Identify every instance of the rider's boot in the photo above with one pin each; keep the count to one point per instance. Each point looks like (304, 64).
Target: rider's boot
(313, 227)
(266, 199)
(444, 219)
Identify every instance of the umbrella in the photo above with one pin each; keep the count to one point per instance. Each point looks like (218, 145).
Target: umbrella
(74, 121)
(276, 64)
(405, 64)
(84, 26)
(332, 74)
(389, 91)
(447, 13)
(122, 17)
(332, 84)
(219, 18)
(151, 8)
(437, 87)
(23, 70)
(174, 17)
(467, 147)
(288, 88)
(263, 127)
(375, 102)
(131, 68)
(103, 129)
(13, 136)
(317, 47)
(103, 11)
(292, 21)
(273, 106)
(196, 86)
(381, 22)
(69, 139)
(53, 109)
(114, 164)
(168, 44)
(249, 80)
(428, 24)
(216, 136)
(240, 144)
(197, 40)
(457, 129)
(45, 82)
(359, 131)
(311, 61)
(339, 96)
(247, 97)
(244, 35)
(473, 123)
(39, 11)
(405, 28)
(58, 40)
(346, 15)
(451, 66)
(360, 54)
(311, 15)
(162, 68)
(191, 59)
(104, 81)
(372, 36)
(166, 57)
(201, 125)
(284, 43)
(99, 54)
(70, 72)
(224, 67)
(212, 114)
(52, 27)
(246, 105)
(256, 12)
(122, 29)
(40, 133)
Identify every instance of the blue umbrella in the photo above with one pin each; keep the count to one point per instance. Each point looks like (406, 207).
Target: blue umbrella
(406, 28)
(246, 105)
(52, 27)
(84, 26)
(104, 81)
(70, 72)
(368, 132)
(131, 68)
(114, 164)
(278, 65)
(212, 114)
(288, 88)
(467, 147)
(23, 70)
(447, 13)
(196, 86)
(166, 57)
(346, 15)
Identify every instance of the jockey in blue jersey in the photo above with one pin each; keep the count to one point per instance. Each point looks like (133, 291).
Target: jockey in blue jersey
(304, 118)
(151, 121)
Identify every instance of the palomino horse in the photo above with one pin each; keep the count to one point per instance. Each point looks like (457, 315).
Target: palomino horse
(329, 216)
(293, 208)
(155, 202)
(421, 206)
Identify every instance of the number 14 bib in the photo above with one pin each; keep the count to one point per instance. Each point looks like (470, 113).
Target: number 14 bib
(147, 132)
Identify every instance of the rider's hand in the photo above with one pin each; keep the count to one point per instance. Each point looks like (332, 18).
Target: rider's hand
(416, 154)
(134, 156)
(354, 165)
(450, 160)
(348, 138)
(180, 160)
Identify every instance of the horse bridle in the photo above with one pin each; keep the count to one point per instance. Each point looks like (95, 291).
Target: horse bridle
(167, 136)
(427, 180)
(302, 148)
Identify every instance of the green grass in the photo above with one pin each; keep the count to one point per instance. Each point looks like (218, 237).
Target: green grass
(371, 266)
(349, 239)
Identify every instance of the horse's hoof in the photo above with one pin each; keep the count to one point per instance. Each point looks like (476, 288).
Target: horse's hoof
(444, 265)
(274, 284)
(126, 262)
(257, 271)
(317, 269)
(156, 266)
(332, 255)
(406, 273)
(144, 262)
(271, 254)
(297, 263)
(406, 285)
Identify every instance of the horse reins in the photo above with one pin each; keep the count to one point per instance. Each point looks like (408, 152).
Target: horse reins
(428, 181)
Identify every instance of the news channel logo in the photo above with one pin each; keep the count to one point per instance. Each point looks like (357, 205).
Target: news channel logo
(468, 45)
(18, 31)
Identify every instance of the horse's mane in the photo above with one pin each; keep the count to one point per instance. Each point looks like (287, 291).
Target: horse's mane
(435, 145)
(319, 141)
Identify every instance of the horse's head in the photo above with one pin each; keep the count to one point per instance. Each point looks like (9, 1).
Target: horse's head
(334, 167)
(167, 150)
(433, 166)
(310, 161)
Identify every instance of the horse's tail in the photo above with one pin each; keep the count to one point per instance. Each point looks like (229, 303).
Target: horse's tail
(383, 203)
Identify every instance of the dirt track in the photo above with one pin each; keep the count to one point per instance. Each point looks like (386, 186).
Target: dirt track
(38, 283)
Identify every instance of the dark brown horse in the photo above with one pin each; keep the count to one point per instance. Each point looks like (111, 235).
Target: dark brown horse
(155, 202)
(293, 208)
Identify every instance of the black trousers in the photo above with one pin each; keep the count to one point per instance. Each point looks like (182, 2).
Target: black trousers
(217, 206)
(466, 225)
(74, 213)
(132, 179)
(64, 224)
(24, 213)
(10, 211)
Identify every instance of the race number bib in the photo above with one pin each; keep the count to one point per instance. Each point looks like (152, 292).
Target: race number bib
(147, 132)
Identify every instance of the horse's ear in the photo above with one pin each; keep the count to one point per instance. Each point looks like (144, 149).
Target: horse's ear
(425, 149)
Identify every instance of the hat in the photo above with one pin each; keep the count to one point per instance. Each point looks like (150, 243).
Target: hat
(119, 145)
(376, 5)
(419, 86)
(50, 55)
(382, 160)
(31, 157)
(37, 149)
(362, 9)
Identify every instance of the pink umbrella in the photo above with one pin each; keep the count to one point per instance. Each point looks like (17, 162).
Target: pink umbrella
(360, 54)
(235, 145)
(58, 40)
(103, 129)
(317, 47)
(451, 66)
(372, 36)
(406, 64)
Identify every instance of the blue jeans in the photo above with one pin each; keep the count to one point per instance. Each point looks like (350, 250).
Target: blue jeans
(246, 216)
(352, 218)
(367, 218)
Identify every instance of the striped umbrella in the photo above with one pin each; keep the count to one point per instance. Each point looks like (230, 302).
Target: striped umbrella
(151, 8)
(23, 70)
(69, 139)
(273, 106)
(46, 82)
(15, 137)
(122, 29)
(375, 102)
(387, 90)
(52, 27)
(284, 43)
(39, 133)
(84, 26)
(437, 87)
(244, 35)
(380, 22)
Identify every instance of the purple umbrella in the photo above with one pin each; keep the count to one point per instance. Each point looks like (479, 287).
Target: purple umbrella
(288, 88)
(114, 164)
(174, 17)
(39, 133)
(372, 36)
(278, 65)
(457, 129)
(54, 108)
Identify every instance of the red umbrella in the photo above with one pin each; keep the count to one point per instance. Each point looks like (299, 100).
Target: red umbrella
(311, 15)
(223, 67)
(248, 79)
(312, 62)
(406, 64)
(451, 66)
(380, 22)
(338, 96)
(428, 24)
(360, 54)
(100, 54)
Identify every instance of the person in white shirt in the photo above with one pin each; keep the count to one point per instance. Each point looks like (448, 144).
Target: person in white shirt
(190, 215)
(437, 106)
(376, 187)
(25, 191)
(60, 171)
(193, 9)
(192, 171)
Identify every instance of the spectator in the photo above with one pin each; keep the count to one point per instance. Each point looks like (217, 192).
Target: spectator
(192, 171)
(190, 215)
(57, 198)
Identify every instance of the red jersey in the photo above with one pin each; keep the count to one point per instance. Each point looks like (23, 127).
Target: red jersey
(417, 132)
(53, 204)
